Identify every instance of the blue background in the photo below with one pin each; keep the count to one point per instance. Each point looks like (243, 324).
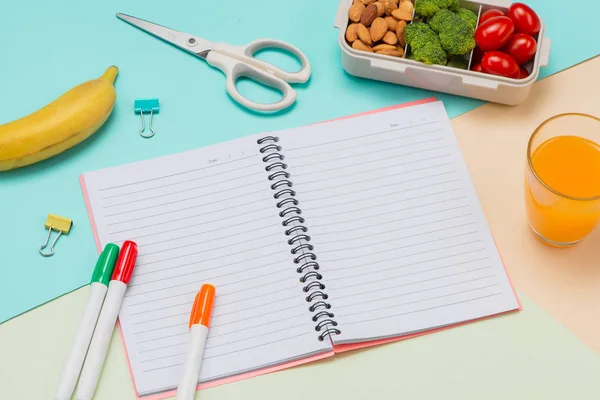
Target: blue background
(47, 47)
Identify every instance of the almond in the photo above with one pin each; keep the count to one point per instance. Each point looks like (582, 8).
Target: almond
(407, 6)
(400, 31)
(402, 15)
(396, 1)
(378, 29)
(351, 34)
(380, 8)
(369, 15)
(390, 5)
(363, 34)
(392, 23)
(356, 11)
(390, 38)
(383, 46)
(367, 2)
(358, 45)
(392, 53)
(400, 50)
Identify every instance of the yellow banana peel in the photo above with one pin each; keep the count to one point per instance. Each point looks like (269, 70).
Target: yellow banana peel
(60, 125)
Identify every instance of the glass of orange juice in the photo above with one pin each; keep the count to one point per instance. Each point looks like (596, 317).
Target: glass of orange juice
(562, 179)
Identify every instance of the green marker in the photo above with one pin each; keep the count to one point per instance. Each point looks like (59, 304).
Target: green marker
(98, 288)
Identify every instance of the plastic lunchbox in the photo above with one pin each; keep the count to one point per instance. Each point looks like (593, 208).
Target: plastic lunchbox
(462, 82)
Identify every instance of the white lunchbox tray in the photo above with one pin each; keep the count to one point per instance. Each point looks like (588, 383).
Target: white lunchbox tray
(439, 78)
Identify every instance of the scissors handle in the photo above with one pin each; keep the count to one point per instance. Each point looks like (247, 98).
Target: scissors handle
(238, 61)
(246, 54)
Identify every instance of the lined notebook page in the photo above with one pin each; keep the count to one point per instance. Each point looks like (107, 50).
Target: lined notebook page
(400, 236)
(204, 216)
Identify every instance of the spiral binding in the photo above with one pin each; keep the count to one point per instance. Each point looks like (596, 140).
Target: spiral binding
(299, 239)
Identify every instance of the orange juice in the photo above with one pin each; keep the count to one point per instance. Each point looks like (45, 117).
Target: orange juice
(562, 193)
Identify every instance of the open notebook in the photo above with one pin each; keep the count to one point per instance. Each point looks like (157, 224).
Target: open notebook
(340, 233)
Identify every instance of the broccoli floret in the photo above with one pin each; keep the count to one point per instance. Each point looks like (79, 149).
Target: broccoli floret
(454, 5)
(427, 8)
(456, 35)
(468, 16)
(424, 44)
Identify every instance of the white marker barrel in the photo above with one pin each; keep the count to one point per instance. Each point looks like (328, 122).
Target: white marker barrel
(99, 346)
(84, 333)
(193, 362)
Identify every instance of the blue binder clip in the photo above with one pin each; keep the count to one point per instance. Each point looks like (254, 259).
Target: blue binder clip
(149, 106)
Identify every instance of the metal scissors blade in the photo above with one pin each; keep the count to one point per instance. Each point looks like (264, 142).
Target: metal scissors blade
(192, 44)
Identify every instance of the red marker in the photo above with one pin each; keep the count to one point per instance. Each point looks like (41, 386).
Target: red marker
(106, 322)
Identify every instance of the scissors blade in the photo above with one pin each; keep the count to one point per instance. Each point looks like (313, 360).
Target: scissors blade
(192, 44)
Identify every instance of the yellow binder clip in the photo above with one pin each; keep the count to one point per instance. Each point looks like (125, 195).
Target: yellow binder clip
(55, 223)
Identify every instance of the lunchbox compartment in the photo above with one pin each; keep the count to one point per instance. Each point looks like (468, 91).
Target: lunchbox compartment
(462, 82)
(476, 8)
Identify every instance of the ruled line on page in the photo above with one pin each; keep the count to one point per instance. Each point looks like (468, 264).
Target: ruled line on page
(393, 157)
(379, 169)
(195, 263)
(395, 238)
(443, 296)
(372, 144)
(209, 231)
(173, 210)
(397, 295)
(170, 221)
(371, 189)
(435, 278)
(355, 228)
(330, 160)
(423, 309)
(183, 191)
(134, 283)
(395, 247)
(162, 187)
(400, 267)
(387, 195)
(363, 136)
(231, 352)
(414, 254)
(175, 174)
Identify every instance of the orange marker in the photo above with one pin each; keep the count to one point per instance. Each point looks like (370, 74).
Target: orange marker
(199, 324)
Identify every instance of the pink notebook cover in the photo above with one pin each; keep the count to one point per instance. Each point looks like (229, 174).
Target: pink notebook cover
(336, 349)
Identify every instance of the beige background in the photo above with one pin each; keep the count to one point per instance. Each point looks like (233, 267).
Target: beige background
(527, 355)
(493, 138)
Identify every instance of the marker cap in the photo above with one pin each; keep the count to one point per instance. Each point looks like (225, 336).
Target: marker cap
(125, 262)
(203, 305)
(105, 264)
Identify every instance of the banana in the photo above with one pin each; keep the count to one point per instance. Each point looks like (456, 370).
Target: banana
(60, 125)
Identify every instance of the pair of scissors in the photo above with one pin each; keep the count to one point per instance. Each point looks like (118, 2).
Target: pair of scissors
(236, 62)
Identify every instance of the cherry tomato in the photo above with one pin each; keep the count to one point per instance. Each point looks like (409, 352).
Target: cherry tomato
(498, 63)
(489, 14)
(523, 73)
(524, 18)
(477, 55)
(477, 68)
(521, 47)
(494, 33)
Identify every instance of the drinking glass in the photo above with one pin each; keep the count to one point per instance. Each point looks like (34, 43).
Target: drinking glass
(562, 179)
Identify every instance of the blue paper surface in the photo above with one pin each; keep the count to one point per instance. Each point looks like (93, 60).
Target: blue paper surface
(49, 47)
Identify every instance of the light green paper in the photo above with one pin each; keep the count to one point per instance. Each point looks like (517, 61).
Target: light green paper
(49, 47)
(520, 356)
